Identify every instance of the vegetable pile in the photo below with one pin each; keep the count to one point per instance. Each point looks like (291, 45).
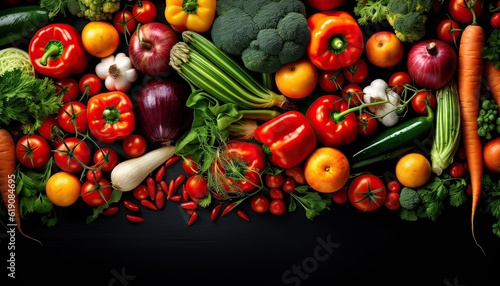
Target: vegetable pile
(275, 105)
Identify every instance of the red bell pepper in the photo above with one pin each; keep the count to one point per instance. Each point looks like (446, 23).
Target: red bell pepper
(238, 167)
(288, 138)
(332, 120)
(56, 51)
(336, 40)
(110, 116)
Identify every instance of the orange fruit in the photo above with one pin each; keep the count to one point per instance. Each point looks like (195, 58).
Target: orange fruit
(100, 38)
(63, 189)
(326, 170)
(413, 170)
(384, 49)
(297, 79)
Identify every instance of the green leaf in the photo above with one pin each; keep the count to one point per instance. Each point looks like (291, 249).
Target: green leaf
(408, 215)
(492, 49)
(42, 205)
(312, 202)
(96, 211)
(496, 228)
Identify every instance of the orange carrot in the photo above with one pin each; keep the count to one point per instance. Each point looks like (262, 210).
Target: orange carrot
(492, 76)
(470, 70)
(7, 180)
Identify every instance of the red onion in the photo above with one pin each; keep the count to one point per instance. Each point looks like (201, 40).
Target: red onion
(431, 63)
(162, 109)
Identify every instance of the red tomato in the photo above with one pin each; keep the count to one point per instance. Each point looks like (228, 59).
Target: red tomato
(259, 203)
(96, 193)
(461, 13)
(71, 153)
(394, 186)
(93, 175)
(277, 207)
(289, 185)
(190, 166)
(330, 80)
(367, 124)
(106, 158)
(420, 101)
(197, 186)
(72, 117)
(144, 11)
(495, 20)
(340, 196)
(273, 181)
(397, 80)
(457, 170)
(134, 145)
(33, 151)
(90, 84)
(47, 127)
(491, 155)
(140, 192)
(353, 94)
(124, 22)
(448, 31)
(276, 194)
(392, 201)
(367, 192)
(357, 72)
(69, 87)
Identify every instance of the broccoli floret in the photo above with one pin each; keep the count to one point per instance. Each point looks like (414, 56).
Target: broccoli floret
(408, 18)
(409, 198)
(267, 34)
(98, 10)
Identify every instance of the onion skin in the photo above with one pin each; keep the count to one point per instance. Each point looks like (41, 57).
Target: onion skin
(431, 63)
(162, 111)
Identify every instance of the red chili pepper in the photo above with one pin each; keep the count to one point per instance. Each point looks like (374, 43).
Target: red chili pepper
(215, 211)
(149, 204)
(160, 173)
(131, 206)
(176, 198)
(185, 195)
(134, 218)
(243, 215)
(228, 208)
(151, 184)
(170, 161)
(189, 205)
(171, 189)
(164, 186)
(179, 180)
(110, 211)
(193, 218)
(160, 200)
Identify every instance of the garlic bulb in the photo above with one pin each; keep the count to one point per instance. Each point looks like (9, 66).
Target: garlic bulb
(117, 72)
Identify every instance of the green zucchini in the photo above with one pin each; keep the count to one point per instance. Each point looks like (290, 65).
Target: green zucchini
(18, 23)
(397, 137)
(383, 157)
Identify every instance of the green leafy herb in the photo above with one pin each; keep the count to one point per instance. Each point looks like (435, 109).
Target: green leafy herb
(492, 49)
(490, 200)
(96, 211)
(27, 100)
(312, 201)
(371, 11)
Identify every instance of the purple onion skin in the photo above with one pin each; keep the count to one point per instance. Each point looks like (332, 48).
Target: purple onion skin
(162, 111)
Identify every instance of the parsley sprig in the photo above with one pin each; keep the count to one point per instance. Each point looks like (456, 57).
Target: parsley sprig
(490, 200)
(492, 49)
(312, 202)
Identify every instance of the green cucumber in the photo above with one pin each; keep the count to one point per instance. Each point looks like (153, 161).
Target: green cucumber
(18, 23)
(397, 137)
(383, 157)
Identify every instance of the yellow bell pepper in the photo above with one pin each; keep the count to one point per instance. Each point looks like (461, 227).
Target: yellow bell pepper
(193, 15)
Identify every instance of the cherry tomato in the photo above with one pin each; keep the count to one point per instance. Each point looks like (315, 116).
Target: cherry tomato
(367, 124)
(106, 158)
(140, 192)
(397, 80)
(340, 196)
(468, 189)
(457, 170)
(420, 101)
(124, 22)
(357, 72)
(367, 192)
(189, 165)
(276, 194)
(495, 20)
(289, 185)
(48, 127)
(461, 13)
(393, 186)
(277, 207)
(134, 145)
(68, 87)
(71, 153)
(353, 94)
(144, 11)
(96, 193)
(392, 201)
(197, 186)
(90, 84)
(72, 117)
(448, 31)
(259, 204)
(93, 175)
(33, 151)
(273, 181)
(330, 80)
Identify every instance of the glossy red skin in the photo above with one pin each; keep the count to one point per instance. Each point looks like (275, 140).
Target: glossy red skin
(459, 12)
(69, 86)
(277, 207)
(96, 194)
(259, 203)
(90, 84)
(367, 192)
(197, 186)
(69, 148)
(106, 158)
(71, 115)
(357, 72)
(33, 151)
(397, 80)
(367, 124)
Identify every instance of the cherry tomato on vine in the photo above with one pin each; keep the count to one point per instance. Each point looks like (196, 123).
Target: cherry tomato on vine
(392, 201)
(420, 101)
(124, 22)
(277, 207)
(397, 80)
(144, 11)
(330, 80)
(367, 124)
(259, 204)
(273, 181)
(134, 145)
(67, 86)
(33, 151)
(289, 185)
(106, 158)
(71, 153)
(357, 72)
(448, 31)
(276, 194)
(353, 94)
(47, 127)
(393, 186)
(93, 175)
(96, 193)
(189, 165)
(461, 13)
(72, 117)
(90, 84)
